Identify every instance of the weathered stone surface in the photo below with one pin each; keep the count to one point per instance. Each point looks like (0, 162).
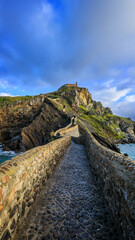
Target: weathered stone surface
(19, 192)
(116, 176)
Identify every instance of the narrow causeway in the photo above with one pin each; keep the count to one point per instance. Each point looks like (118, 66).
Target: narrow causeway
(70, 206)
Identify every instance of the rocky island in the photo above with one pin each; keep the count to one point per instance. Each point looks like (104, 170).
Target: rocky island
(27, 122)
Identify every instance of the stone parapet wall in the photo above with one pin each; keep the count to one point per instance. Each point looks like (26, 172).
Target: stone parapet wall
(116, 176)
(22, 178)
(71, 131)
(60, 131)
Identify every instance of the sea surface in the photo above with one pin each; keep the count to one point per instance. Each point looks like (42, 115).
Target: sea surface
(129, 149)
(6, 155)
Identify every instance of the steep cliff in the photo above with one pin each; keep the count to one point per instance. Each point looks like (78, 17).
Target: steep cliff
(39, 131)
(27, 123)
(17, 114)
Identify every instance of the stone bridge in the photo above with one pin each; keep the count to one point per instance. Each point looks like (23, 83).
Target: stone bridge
(90, 195)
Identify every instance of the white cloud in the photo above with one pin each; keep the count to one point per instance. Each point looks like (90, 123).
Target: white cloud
(130, 98)
(107, 96)
(124, 109)
(6, 94)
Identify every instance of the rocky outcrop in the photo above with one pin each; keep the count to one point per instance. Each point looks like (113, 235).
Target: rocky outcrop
(99, 109)
(39, 131)
(129, 131)
(27, 124)
(126, 127)
(78, 96)
(106, 143)
(15, 116)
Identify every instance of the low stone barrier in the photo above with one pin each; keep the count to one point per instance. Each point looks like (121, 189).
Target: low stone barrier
(68, 128)
(22, 178)
(116, 176)
(72, 131)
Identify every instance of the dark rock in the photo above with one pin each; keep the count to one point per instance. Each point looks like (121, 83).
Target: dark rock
(106, 142)
(13, 211)
(56, 235)
(30, 236)
(23, 208)
(6, 235)
(12, 226)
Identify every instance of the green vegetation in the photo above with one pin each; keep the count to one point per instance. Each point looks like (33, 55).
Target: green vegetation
(82, 109)
(106, 125)
(58, 93)
(13, 99)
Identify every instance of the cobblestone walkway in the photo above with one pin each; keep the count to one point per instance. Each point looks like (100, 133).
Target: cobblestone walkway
(70, 206)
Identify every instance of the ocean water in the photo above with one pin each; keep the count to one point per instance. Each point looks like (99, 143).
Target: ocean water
(129, 149)
(6, 155)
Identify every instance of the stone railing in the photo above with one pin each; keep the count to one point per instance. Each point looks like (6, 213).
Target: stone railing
(116, 176)
(61, 131)
(22, 178)
(72, 131)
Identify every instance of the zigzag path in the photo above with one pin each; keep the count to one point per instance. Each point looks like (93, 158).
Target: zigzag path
(70, 206)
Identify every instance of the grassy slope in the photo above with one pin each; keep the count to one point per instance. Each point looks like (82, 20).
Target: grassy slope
(13, 99)
(99, 124)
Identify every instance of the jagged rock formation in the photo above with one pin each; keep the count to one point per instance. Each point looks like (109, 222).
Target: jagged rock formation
(78, 96)
(39, 131)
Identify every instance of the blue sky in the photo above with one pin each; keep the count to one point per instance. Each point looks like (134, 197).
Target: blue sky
(47, 43)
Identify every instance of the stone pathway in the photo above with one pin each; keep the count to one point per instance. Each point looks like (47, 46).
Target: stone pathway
(70, 205)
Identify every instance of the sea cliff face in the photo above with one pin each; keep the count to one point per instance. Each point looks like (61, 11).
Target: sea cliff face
(14, 116)
(28, 123)
(39, 131)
